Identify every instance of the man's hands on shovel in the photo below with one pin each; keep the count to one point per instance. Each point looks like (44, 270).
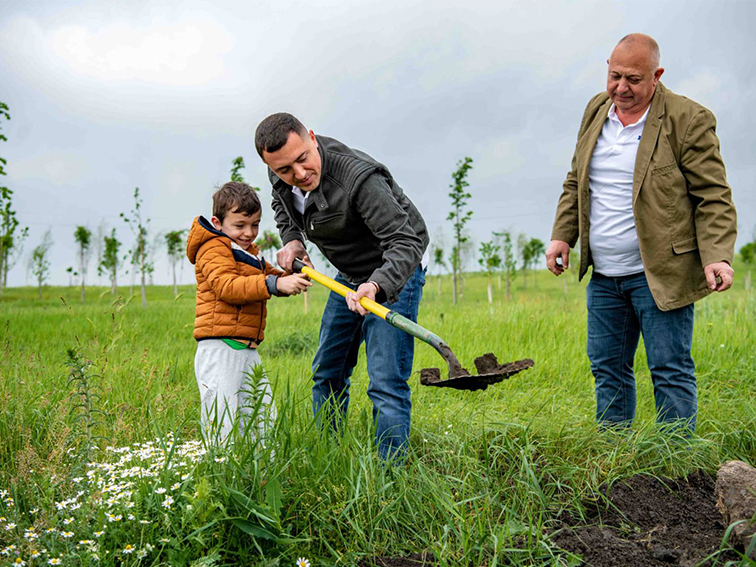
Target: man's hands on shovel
(295, 249)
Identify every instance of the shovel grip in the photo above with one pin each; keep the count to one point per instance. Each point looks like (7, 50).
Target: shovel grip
(372, 306)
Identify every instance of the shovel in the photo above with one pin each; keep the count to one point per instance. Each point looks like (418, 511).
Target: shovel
(489, 369)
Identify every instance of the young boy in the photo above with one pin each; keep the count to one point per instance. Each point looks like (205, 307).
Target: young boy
(233, 285)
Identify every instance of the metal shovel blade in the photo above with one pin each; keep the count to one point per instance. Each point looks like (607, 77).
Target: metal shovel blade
(489, 372)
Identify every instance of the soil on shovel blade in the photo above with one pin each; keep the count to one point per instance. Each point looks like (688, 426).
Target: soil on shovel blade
(489, 372)
(653, 522)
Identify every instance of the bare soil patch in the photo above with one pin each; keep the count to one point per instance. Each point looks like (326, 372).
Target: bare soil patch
(650, 522)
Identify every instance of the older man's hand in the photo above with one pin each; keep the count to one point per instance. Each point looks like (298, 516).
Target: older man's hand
(558, 249)
(719, 270)
(287, 254)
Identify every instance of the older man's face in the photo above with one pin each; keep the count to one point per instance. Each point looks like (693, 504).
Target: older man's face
(632, 78)
(297, 162)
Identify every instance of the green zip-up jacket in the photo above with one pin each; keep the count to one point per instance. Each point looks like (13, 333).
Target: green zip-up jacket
(358, 217)
(684, 214)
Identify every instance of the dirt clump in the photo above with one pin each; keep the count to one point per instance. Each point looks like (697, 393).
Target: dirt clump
(649, 522)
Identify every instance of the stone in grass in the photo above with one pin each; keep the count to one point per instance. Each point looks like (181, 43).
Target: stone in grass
(736, 498)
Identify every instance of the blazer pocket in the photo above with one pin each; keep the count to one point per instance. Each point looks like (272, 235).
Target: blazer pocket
(662, 169)
(683, 246)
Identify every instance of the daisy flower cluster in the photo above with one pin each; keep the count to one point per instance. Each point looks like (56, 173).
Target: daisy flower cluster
(116, 512)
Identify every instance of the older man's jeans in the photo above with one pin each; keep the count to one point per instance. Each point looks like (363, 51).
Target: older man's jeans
(389, 364)
(619, 310)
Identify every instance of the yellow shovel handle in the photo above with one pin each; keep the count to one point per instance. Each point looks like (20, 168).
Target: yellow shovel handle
(374, 307)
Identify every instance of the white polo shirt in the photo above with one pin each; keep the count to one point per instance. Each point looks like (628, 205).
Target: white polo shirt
(612, 235)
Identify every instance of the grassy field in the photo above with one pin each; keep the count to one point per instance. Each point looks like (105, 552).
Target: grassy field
(487, 474)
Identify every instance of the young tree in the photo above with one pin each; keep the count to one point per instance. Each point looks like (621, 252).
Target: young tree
(98, 246)
(140, 251)
(509, 261)
(175, 246)
(11, 235)
(39, 263)
(748, 254)
(236, 167)
(490, 261)
(437, 252)
(83, 237)
(537, 250)
(459, 215)
(71, 275)
(269, 241)
(110, 261)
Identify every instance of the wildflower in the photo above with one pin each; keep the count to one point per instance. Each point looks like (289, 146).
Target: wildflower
(77, 479)
(86, 542)
(20, 562)
(95, 557)
(68, 521)
(167, 502)
(50, 530)
(126, 550)
(10, 526)
(142, 553)
(160, 490)
(302, 562)
(98, 534)
(144, 521)
(30, 534)
(34, 511)
(220, 459)
(54, 561)
(34, 554)
(164, 540)
(76, 506)
(176, 486)
(67, 534)
(131, 517)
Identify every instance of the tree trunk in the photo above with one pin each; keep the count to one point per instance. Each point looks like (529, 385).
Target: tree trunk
(39, 287)
(439, 285)
(175, 289)
(490, 295)
(141, 267)
(113, 283)
(81, 269)
(509, 287)
(454, 285)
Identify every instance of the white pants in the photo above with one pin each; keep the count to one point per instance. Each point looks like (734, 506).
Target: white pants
(230, 391)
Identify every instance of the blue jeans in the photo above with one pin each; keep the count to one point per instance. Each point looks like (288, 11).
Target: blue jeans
(619, 310)
(389, 364)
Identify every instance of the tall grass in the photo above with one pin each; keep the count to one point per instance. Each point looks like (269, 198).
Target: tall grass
(488, 473)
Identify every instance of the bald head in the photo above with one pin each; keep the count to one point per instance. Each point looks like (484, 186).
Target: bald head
(642, 43)
(633, 75)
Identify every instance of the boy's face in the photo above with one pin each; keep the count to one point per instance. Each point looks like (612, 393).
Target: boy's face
(241, 228)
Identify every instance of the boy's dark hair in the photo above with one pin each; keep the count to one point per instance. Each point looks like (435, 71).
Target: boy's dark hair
(273, 132)
(235, 197)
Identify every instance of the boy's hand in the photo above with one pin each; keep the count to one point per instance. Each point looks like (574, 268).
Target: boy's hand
(293, 284)
(287, 254)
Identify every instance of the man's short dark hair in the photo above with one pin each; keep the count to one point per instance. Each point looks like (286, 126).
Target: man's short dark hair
(235, 197)
(273, 132)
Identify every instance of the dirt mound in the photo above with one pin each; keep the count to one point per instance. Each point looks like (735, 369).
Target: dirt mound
(649, 522)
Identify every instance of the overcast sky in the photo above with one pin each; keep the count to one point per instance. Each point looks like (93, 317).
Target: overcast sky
(109, 96)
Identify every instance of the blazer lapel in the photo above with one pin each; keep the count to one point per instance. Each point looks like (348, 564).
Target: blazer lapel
(648, 139)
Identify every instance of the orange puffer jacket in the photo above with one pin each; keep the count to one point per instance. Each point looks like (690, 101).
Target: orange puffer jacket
(231, 288)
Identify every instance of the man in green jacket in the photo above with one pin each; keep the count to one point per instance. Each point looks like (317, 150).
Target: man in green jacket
(647, 198)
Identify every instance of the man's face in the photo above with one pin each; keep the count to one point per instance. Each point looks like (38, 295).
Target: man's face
(239, 227)
(632, 79)
(297, 162)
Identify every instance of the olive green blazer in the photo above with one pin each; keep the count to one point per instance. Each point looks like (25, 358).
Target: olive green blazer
(682, 204)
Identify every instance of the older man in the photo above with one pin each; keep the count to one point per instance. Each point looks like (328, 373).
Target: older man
(352, 209)
(648, 199)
